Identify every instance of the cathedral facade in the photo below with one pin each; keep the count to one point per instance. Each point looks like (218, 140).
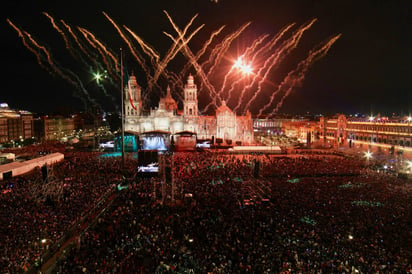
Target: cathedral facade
(225, 124)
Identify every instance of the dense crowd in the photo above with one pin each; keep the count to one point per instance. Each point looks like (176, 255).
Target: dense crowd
(306, 214)
(35, 214)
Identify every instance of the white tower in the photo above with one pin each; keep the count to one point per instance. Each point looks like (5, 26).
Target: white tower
(190, 103)
(133, 101)
(132, 105)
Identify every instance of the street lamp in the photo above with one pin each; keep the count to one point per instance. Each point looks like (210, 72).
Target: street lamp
(368, 156)
(408, 166)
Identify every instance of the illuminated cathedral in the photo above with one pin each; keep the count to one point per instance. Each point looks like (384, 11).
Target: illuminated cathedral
(166, 117)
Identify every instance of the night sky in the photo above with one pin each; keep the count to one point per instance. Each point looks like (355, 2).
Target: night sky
(367, 70)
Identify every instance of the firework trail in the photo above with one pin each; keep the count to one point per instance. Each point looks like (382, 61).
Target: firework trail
(264, 49)
(268, 47)
(196, 58)
(134, 52)
(171, 52)
(21, 35)
(183, 44)
(191, 57)
(257, 42)
(275, 59)
(59, 30)
(176, 81)
(94, 42)
(55, 69)
(254, 45)
(229, 73)
(202, 51)
(154, 56)
(247, 53)
(45, 51)
(102, 87)
(80, 86)
(224, 46)
(217, 53)
(86, 36)
(76, 39)
(76, 83)
(218, 48)
(235, 83)
(177, 85)
(296, 76)
(261, 51)
(104, 52)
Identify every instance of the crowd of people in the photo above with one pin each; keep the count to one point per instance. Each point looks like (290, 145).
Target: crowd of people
(34, 218)
(314, 214)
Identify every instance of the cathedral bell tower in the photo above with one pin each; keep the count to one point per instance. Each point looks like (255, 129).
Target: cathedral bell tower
(133, 100)
(190, 103)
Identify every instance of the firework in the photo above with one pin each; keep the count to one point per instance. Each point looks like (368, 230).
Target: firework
(240, 83)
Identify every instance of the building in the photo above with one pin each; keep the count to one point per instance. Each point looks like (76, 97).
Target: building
(225, 124)
(270, 126)
(53, 128)
(304, 131)
(373, 132)
(15, 125)
(4, 134)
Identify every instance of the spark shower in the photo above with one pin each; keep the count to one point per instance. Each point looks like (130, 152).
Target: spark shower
(241, 82)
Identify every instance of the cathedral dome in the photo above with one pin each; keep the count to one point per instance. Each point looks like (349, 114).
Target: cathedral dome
(168, 103)
(190, 80)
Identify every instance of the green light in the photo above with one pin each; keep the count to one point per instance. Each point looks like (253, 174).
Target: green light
(120, 187)
(97, 76)
(308, 220)
(367, 203)
(293, 181)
